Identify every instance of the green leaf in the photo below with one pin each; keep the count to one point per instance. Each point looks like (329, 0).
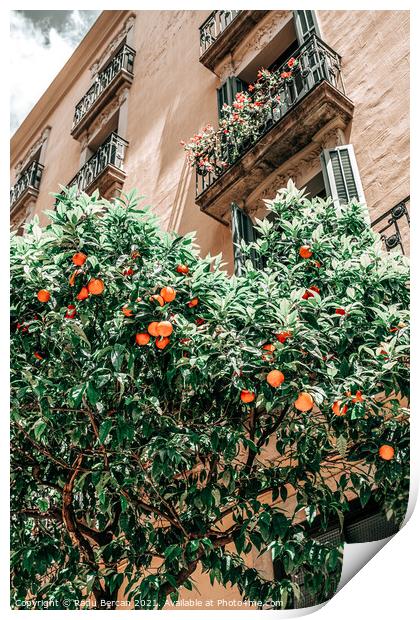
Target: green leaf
(104, 430)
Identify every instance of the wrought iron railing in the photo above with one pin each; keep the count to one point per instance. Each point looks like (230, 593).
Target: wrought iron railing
(123, 60)
(213, 27)
(30, 178)
(111, 152)
(393, 226)
(316, 62)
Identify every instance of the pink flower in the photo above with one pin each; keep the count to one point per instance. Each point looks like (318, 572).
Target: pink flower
(291, 62)
(286, 74)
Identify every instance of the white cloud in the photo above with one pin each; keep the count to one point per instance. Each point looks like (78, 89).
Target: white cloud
(36, 58)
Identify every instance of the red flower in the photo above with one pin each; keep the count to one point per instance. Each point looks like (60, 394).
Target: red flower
(291, 62)
(314, 288)
(199, 321)
(251, 87)
(71, 312)
(128, 272)
(285, 75)
(340, 311)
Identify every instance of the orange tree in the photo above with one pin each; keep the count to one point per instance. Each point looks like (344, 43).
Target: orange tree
(167, 417)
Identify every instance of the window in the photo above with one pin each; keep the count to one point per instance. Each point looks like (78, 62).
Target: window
(341, 174)
(306, 25)
(360, 525)
(227, 92)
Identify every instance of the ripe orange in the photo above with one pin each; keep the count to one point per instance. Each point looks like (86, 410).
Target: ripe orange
(193, 302)
(43, 296)
(164, 328)
(283, 336)
(38, 356)
(161, 343)
(96, 286)
(304, 402)
(275, 378)
(386, 452)
(152, 328)
(340, 311)
(158, 299)
(358, 398)
(79, 259)
(83, 293)
(168, 293)
(338, 409)
(128, 272)
(73, 276)
(269, 347)
(182, 269)
(126, 311)
(305, 251)
(142, 339)
(247, 396)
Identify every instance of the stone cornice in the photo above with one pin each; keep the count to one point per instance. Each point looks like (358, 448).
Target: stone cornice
(81, 59)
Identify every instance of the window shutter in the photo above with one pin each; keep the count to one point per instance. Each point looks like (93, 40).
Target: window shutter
(341, 174)
(227, 92)
(305, 25)
(242, 228)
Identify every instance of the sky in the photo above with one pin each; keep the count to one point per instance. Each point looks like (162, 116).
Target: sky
(41, 43)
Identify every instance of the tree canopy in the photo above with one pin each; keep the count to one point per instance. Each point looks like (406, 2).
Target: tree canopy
(168, 417)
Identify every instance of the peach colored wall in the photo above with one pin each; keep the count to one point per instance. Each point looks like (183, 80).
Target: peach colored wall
(375, 61)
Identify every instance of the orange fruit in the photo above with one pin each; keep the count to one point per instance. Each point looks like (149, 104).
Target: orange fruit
(247, 396)
(358, 398)
(168, 293)
(305, 251)
(269, 347)
(96, 286)
(161, 343)
(193, 302)
(79, 259)
(72, 278)
(182, 269)
(164, 328)
(83, 293)
(158, 299)
(386, 452)
(338, 409)
(142, 339)
(340, 311)
(152, 328)
(304, 402)
(128, 272)
(283, 336)
(38, 356)
(275, 378)
(126, 311)
(43, 296)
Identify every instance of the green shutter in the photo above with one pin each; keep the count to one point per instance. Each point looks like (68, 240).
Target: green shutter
(227, 92)
(242, 229)
(341, 175)
(305, 25)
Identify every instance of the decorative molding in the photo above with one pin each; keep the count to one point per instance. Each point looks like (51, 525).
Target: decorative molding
(111, 47)
(104, 116)
(21, 165)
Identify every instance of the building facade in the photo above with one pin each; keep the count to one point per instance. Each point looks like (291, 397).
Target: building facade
(142, 81)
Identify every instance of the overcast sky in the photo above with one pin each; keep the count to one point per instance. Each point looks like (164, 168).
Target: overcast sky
(41, 43)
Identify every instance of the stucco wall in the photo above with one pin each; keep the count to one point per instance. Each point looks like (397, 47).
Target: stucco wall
(375, 61)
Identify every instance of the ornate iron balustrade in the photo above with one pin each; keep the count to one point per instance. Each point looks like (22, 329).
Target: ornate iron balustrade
(317, 62)
(29, 179)
(214, 25)
(123, 60)
(110, 153)
(393, 226)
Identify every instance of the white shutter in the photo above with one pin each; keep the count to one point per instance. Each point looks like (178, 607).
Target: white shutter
(341, 174)
(242, 229)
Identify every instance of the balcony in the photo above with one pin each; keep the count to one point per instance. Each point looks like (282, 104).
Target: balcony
(394, 227)
(104, 170)
(27, 186)
(222, 31)
(291, 114)
(118, 72)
